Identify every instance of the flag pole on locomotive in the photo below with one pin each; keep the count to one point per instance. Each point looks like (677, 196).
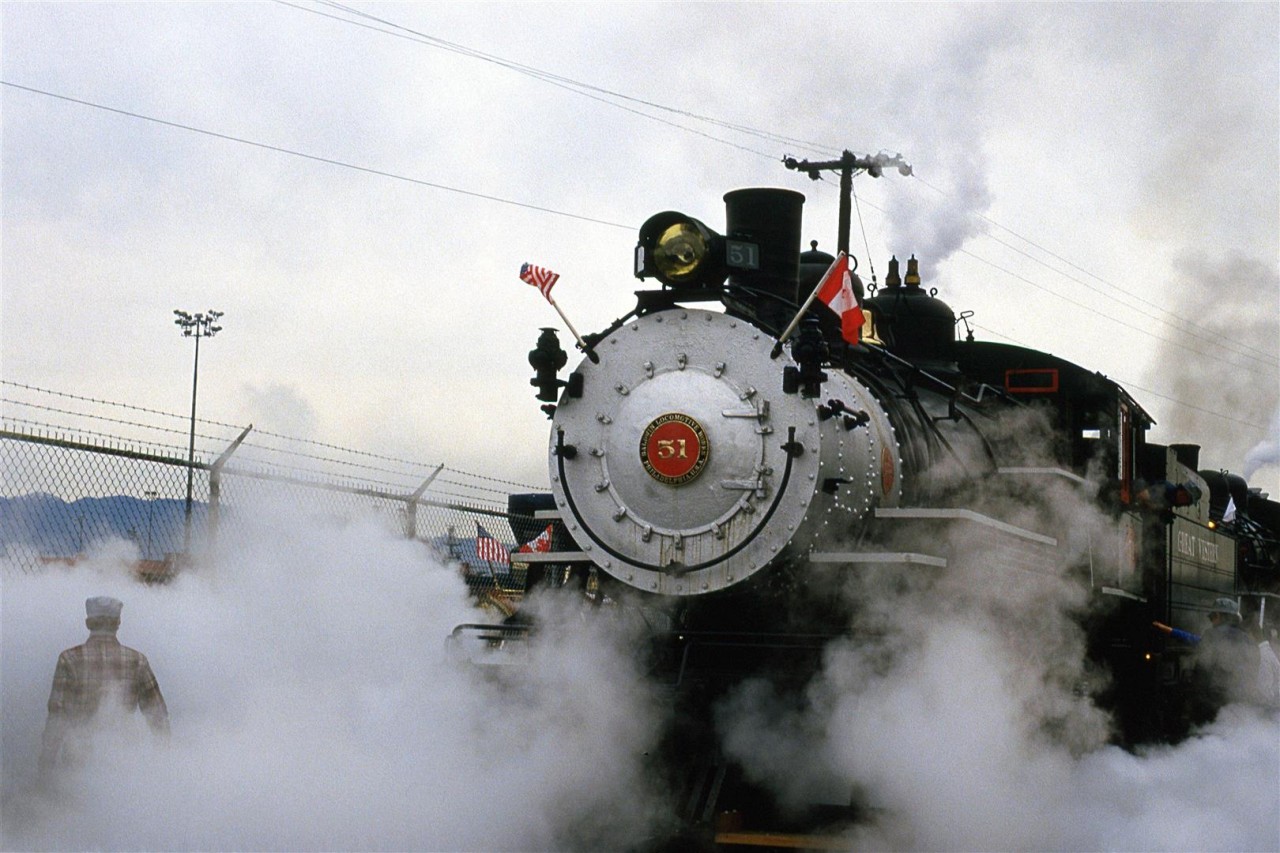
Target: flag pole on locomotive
(835, 289)
(544, 279)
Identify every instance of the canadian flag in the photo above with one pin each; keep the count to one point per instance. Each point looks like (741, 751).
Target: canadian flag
(540, 544)
(836, 290)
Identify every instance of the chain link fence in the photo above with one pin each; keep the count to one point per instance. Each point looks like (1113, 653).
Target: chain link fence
(67, 487)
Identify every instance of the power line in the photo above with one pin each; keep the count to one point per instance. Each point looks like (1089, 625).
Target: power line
(538, 208)
(585, 89)
(1140, 330)
(315, 157)
(1183, 326)
(577, 86)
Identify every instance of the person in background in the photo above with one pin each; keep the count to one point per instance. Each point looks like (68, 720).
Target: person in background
(1161, 497)
(1226, 668)
(92, 676)
(1268, 688)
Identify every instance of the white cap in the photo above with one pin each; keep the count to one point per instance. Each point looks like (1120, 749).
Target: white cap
(102, 605)
(1226, 605)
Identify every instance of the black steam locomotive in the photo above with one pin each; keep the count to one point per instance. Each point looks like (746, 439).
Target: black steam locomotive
(702, 468)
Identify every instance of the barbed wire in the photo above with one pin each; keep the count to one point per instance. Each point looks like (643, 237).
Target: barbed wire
(418, 470)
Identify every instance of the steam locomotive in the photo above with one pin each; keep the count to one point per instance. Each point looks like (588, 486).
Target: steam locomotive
(726, 455)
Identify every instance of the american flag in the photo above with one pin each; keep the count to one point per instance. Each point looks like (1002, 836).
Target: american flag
(489, 549)
(543, 279)
(540, 544)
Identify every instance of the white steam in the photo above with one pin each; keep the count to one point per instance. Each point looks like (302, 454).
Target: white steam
(959, 714)
(313, 708)
(1265, 453)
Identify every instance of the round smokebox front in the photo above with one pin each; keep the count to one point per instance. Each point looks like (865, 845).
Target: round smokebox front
(678, 481)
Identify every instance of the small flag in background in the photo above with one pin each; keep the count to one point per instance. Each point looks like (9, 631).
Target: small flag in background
(540, 544)
(837, 291)
(1230, 514)
(489, 549)
(543, 279)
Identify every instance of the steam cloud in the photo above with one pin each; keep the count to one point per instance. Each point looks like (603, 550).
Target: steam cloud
(313, 707)
(956, 716)
(1233, 301)
(1266, 452)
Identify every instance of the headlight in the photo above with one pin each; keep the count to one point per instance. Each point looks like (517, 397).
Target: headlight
(680, 251)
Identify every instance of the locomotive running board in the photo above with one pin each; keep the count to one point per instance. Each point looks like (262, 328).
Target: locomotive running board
(1043, 472)
(550, 557)
(964, 515)
(903, 557)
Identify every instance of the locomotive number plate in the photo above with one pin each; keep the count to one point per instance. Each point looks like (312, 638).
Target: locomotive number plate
(674, 448)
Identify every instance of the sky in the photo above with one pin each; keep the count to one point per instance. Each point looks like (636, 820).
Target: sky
(357, 187)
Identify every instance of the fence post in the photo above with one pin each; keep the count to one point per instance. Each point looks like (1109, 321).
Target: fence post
(411, 505)
(215, 486)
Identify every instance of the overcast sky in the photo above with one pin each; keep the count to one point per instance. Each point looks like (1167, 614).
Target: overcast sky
(1099, 181)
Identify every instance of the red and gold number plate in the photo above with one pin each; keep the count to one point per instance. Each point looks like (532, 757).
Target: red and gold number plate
(674, 448)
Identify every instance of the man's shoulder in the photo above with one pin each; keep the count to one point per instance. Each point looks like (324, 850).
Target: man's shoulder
(97, 645)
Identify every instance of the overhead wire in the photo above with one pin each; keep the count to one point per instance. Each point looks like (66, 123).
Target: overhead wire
(1235, 347)
(579, 86)
(1182, 325)
(314, 157)
(586, 90)
(1135, 328)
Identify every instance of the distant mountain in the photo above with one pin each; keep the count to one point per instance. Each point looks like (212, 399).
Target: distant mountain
(50, 527)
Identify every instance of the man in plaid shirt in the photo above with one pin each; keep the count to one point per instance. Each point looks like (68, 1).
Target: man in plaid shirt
(94, 676)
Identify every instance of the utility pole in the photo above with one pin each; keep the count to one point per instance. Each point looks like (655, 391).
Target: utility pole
(848, 163)
(194, 326)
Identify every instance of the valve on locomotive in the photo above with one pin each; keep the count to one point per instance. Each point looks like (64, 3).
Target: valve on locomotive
(912, 322)
(546, 359)
(810, 351)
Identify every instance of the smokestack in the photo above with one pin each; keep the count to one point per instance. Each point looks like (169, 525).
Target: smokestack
(769, 218)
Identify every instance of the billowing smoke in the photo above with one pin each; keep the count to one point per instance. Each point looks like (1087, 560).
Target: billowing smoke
(313, 707)
(950, 115)
(1265, 453)
(960, 712)
(1228, 371)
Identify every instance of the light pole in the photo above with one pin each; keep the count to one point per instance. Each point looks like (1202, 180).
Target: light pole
(194, 326)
